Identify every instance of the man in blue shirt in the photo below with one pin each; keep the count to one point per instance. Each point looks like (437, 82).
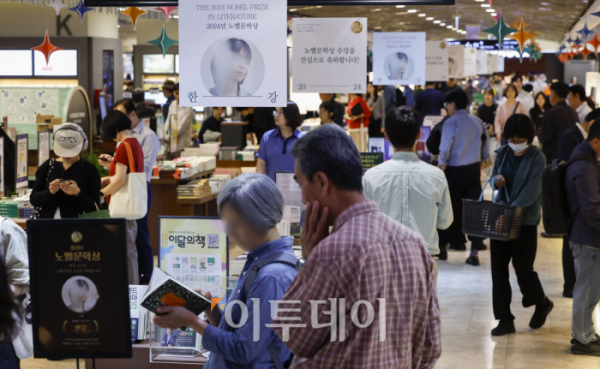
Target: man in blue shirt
(429, 102)
(463, 148)
(583, 193)
(389, 97)
(409, 96)
(251, 206)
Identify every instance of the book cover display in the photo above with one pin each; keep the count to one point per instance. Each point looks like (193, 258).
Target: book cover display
(79, 288)
(294, 210)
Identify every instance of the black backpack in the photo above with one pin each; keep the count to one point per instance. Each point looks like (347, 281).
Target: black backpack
(282, 258)
(557, 217)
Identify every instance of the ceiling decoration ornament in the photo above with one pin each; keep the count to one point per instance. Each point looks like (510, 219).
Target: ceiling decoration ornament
(163, 41)
(500, 30)
(57, 5)
(46, 48)
(166, 10)
(81, 9)
(134, 13)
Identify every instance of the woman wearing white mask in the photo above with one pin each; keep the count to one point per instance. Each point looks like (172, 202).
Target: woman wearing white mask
(518, 168)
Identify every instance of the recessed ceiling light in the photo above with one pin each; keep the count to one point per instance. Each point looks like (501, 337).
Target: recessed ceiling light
(494, 14)
(429, 18)
(400, 6)
(449, 26)
(442, 24)
(376, 10)
(490, 10)
(412, 10)
(437, 21)
(422, 15)
(293, 10)
(485, 5)
(544, 4)
(378, 27)
(479, 1)
(545, 8)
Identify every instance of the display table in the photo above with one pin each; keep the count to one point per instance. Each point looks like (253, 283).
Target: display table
(228, 164)
(166, 203)
(141, 360)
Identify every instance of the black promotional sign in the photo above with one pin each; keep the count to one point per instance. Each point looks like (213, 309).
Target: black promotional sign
(371, 159)
(79, 288)
(290, 2)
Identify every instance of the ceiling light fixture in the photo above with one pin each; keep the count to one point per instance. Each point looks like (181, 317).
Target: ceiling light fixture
(400, 6)
(293, 10)
(544, 4)
(422, 15)
(437, 21)
(490, 10)
(442, 24)
(485, 5)
(412, 10)
(429, 18)
(449, 26)
(494, 14)
(376, 10)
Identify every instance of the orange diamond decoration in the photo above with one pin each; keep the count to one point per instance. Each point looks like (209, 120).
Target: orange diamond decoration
(133, 13)
(517, 24)
(47, 48)
(595, 42)
(520, 36)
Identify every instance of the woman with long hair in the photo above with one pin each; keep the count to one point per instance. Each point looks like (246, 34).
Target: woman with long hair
(506, 109)
(537, 112)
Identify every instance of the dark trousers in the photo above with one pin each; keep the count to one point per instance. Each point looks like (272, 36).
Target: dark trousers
(464, 183)
(568, 266)
(522, 253)
(8, 357)
(142, 243)
(374, 128)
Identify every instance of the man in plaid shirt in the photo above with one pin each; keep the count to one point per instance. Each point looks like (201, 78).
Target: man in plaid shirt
(366, 297)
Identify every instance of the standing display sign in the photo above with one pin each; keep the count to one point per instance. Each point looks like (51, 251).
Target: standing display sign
(456, 61)
(22, 170)
(491, 63)
(470, 63)
(43, 147)
(500, 64)
(195, 252)
(432, 121)
(422, 151)
(481, 62)
(79, 290)
(294, 210)
(437, 61)
(380, 144)
(232, 53)
(329, 55)
(371, 160)
(399, 58)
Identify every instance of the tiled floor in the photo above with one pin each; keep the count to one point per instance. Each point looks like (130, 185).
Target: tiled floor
(465, 294)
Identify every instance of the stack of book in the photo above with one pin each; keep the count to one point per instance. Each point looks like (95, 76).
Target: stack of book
(218, 181)
(196, 189)
(10, 208)
(25, 212)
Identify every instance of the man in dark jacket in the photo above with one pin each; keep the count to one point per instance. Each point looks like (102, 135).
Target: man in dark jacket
(583, 193)
(429, 102)
(569, 140)
(556, 120)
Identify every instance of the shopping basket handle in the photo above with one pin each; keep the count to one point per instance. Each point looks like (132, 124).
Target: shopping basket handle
(492, 180)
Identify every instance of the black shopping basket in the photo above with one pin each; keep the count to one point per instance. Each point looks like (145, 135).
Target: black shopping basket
(491, 219)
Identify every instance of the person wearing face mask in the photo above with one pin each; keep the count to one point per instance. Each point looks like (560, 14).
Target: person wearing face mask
(518, 169)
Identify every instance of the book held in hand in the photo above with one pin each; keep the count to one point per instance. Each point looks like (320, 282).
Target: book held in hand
(166, 291)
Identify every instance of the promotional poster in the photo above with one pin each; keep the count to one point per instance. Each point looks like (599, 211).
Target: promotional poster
(371, 160)
(233, 53)
(79, 289)
(2, 184)
(329, 55)
(470, 62)
(437, 61)
(22, 169)
(195, 252)
(491, 63)
(294, 210)
(481, 62)
(399, 58)
(43, 147)
(380, 144)
(456, 61)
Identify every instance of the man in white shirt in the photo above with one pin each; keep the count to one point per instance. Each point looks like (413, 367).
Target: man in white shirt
(578, 101)
(540, 83)
(523, 96)
(150, 146)
(407, 189)
(180, 119)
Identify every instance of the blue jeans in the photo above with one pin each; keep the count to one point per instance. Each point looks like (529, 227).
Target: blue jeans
(586, 293)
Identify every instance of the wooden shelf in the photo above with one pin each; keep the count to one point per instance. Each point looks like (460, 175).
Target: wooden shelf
(199, 201)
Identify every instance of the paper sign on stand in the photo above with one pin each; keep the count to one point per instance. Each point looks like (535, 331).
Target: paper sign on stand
(399, 58)
(330, 55)
(482, 62)
(437, 61)
(231, 53)
(22, 169)
(491, 63)
(43, 147)
(500, 64)
(456, 61)
(470, 63)
(432, 120)
(380, 144)
(294, 210)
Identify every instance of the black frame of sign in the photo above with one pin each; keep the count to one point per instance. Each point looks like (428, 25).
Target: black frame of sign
(32, 226)
(111, 3)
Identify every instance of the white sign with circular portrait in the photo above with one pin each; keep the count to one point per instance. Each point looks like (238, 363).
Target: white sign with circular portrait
(226, 49)
(399, 58)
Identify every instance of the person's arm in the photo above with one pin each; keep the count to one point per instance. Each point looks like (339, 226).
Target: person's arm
(261, 166)
(14, 242)
(432, 346)
(533, 187)
(448, 132)
(499, 122)
(587, 188)
(548, 128)
(203, 129)
(184, 122)
(445, 214)
(40, 195)
(261, 156)
(88, 200)
(117, 181)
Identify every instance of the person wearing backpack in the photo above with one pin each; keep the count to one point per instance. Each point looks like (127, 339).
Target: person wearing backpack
(569, 140)
(251, 206)
(583, 194)
(519, 166)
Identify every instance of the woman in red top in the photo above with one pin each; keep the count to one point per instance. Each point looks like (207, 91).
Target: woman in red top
(117, 126)
(360, 114)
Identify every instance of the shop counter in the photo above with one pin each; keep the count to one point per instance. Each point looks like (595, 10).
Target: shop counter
(141, 360)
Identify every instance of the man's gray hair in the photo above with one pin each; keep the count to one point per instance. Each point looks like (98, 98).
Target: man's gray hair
(257, 199)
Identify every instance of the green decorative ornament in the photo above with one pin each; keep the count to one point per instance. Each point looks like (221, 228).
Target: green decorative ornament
(500, 30)
(163, 41)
